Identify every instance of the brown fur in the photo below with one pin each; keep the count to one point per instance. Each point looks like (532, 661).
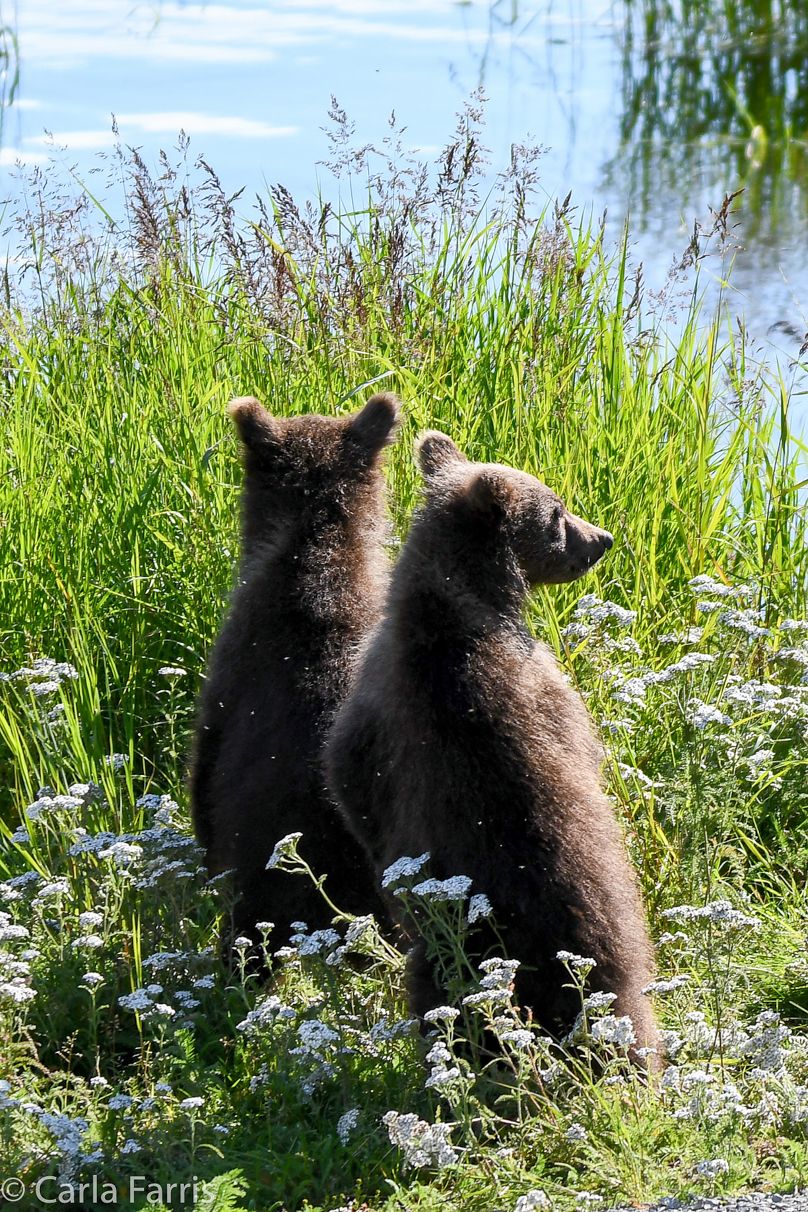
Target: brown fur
(311, 583)
(462, 738)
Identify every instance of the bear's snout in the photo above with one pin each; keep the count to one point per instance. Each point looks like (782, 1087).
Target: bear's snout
(585, 544)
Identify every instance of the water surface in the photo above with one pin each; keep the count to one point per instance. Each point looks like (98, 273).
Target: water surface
(648, 109)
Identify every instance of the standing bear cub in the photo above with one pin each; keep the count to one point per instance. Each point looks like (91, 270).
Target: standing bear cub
(462, 738)
(311, 584)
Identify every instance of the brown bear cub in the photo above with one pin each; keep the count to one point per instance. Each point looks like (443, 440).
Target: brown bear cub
(462, 738)
(311, 584)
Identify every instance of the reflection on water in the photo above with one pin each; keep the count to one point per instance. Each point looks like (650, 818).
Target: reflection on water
(646, 106)
(9, 68)
(708, 85)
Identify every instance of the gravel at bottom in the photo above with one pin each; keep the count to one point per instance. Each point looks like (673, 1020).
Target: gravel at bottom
(752, 1202)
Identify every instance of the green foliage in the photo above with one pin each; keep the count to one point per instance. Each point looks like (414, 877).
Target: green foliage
(515, 333)
(126, 1048)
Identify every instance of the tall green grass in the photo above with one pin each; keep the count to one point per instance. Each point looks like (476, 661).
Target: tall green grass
(128, 322)
(518, 333)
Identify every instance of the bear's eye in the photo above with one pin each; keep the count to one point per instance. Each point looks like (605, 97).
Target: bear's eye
(557, 513)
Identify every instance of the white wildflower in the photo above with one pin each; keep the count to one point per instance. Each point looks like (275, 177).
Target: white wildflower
(123, 853)
(13, 931)
(17, 991)
(259, 1079)
(120, 1102)
(519, 1038)
(697, 1077)
(402, 868)
(138, 1000)
(706, 584)
(286, 848)
(531, 1202)
(89, 918)
(441, 1012)
(667, 986)
(487, 997)
(164, 959)
(358, 929)
(191, 1104)
(576, 1132)
(499, 973)
(711, 1169)
(597, 1001)
(42, 688)
(92, 978)
(613, 1030)
(88, 793)
(454, 889)
(316, 1036)
(575, 961)
(591, 607)
(672, 1078)
(118, 761)
(689, 662)
(744, 621)
(423, 1144)
(57, 887)
(170, 671)
(91, 941)
(631, 690)
(479, 906)
(316, 942)
(163, 1010)
(703, 714)
(716, 911)
(576, 631)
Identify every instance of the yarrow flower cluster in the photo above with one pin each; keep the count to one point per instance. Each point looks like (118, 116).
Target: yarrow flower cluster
(591, 607)
(347, 1123)
(456, 888)
(479, 906)
(44, 676)
(533, 1201)
(284, 850)
(717, 912)
(422, 1143)
(402, 868)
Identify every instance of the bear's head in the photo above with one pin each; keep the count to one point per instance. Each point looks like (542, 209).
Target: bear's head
(493, 504)
(312, 464)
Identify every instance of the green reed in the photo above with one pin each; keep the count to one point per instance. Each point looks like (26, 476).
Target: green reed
(517, 332)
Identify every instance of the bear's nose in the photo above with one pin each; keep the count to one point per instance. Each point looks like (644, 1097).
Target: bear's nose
(607, 539)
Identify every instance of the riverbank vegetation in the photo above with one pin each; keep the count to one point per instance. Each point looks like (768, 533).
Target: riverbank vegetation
(128, 321)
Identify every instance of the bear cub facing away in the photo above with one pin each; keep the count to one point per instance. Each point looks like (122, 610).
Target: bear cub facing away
(462, 738)
(311, 583)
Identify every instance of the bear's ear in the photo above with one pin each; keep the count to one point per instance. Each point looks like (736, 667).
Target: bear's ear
(488, 494)
(436, 451)
(373, 427)
(255, 426)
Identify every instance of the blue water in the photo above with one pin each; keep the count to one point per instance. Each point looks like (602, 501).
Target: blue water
(251, 83)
